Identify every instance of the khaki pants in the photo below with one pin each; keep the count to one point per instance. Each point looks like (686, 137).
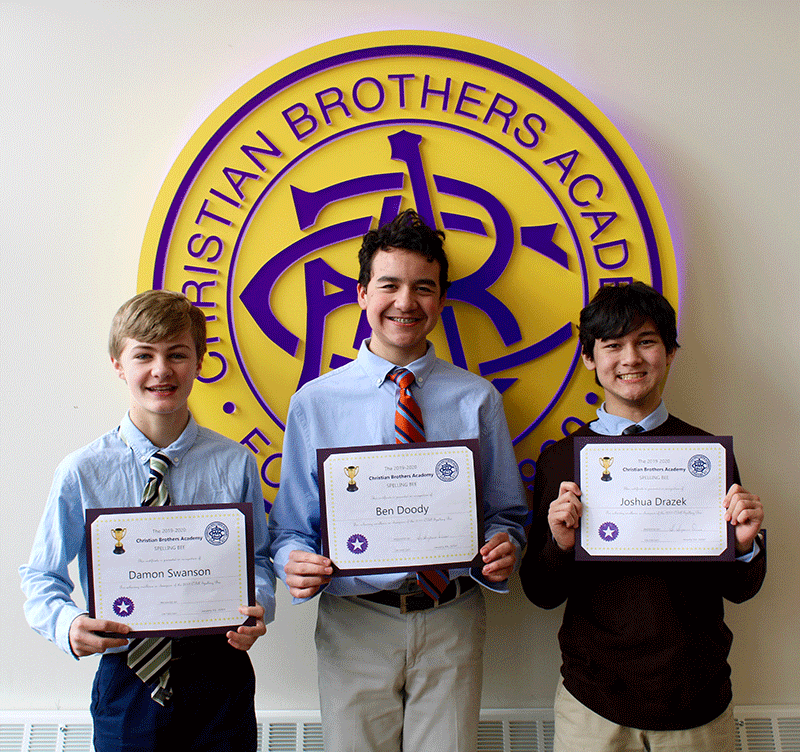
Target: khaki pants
(390, 681)
(578, 729)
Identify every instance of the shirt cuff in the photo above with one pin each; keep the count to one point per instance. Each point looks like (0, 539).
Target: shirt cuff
(68, 614)
(748, 557)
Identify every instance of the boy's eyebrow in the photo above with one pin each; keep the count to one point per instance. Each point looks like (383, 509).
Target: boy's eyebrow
(646, 333)
(152, 345)
(421, 281)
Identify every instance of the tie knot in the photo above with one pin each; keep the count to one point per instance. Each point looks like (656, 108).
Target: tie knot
(402, 377)
(631, 430)
(155, 491)
(159, 461)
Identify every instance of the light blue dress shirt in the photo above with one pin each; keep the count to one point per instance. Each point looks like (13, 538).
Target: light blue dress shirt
(613, 425)
(355, 406)
(207, 468)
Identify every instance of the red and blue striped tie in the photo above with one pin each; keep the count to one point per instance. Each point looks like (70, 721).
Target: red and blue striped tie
(409, 429)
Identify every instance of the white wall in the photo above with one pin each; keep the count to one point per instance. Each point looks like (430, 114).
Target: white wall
(98, 99)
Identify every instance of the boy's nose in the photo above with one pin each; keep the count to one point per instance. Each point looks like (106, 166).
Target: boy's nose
(404, 300)
(631, 354)
(161, 366)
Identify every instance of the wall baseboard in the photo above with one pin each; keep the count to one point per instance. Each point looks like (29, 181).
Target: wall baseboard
(759, 728)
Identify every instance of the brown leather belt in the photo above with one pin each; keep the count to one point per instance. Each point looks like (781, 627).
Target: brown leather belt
(420, 600)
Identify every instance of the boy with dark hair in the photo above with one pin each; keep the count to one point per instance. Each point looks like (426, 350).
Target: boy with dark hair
(200, 692)
(617, 311)
(409, 232)
(644, 645)
(398, 667)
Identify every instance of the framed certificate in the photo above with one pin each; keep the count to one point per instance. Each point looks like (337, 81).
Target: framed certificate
(171, 570)
(654, 498)
(401, 507)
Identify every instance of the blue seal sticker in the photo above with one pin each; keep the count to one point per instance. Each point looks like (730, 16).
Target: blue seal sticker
(123, 606)
(608, 531)
(357, 544)
(699, 465)
(217, 533)
(447, 469)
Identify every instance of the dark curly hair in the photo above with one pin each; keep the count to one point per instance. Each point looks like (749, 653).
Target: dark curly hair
(408, 232)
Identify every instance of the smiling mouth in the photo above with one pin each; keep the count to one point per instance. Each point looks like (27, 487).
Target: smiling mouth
(164, 389)
(631, 376)
(403, 320)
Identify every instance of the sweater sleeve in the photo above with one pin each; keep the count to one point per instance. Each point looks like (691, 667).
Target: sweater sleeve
(744, 579)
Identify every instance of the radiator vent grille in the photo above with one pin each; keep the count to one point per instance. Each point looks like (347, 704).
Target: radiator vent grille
(758, 729)
(761, 730)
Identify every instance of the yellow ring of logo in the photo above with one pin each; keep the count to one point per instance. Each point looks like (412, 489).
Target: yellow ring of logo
(260, 219)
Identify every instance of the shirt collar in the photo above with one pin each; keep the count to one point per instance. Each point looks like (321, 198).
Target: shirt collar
(143, 448)
(378, 368)
(613, 425)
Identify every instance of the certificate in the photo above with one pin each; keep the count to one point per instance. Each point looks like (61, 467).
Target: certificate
(171, 570)
(401, 507)
(654, 498)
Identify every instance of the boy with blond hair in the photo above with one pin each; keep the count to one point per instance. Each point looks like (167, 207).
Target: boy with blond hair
(203, 695)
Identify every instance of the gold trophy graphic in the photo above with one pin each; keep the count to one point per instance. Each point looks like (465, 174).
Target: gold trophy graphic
(351, 471)
(118, 534)
(606, 462)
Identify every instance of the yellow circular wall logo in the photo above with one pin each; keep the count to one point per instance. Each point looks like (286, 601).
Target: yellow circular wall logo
(260, 220)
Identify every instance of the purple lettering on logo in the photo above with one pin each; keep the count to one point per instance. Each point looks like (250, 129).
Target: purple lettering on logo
(357, 94)
(443, 93)
(334, 101)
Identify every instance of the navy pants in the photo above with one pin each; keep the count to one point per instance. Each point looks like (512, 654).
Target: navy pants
(212, 708)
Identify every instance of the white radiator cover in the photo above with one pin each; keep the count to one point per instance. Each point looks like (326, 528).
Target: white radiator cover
(774, 728)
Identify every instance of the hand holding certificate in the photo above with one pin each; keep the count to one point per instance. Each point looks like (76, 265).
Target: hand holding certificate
(171, 570)
(654, 498)
(401, 507)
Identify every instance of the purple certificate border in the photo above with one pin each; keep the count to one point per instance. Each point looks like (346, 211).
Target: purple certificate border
(247, 511)
(581, 554)
(471, 444)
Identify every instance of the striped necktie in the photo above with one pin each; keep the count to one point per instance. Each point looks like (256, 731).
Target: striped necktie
(149, 657)
(409, 429)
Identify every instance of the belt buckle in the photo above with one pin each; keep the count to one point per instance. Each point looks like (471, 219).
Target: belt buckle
(404, 604)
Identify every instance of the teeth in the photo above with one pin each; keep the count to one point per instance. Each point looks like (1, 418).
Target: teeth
(403, 321)
(630, 376)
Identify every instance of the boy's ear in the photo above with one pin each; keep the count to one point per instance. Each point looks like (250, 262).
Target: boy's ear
(588, 362)
(118, 368)
(199, 365)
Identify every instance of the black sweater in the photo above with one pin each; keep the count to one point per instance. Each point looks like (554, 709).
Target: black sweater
(643, 644)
